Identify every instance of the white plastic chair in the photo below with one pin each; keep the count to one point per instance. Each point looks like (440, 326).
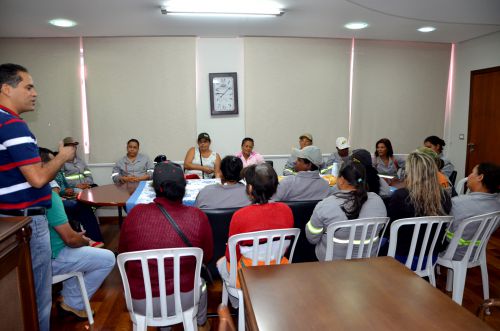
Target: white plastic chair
(460, 187)
(262, 252)
(485, 225)
(169, 316)
(61, 278)
(432, 223)
(363, 234)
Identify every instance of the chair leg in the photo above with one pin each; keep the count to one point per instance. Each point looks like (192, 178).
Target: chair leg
(432, 276)
(189, 320)
(225, 295)
(85, 298)
(459, 275)
(140, 324)
(241, 311)
(449, 280)
(484, 278)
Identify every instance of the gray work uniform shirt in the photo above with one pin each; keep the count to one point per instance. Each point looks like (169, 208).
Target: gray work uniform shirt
(468, 205)
(222, 196)
(391, 169)
(141, 166)
(328, 212)
(77, 172)
(448, 167)
(306, 185)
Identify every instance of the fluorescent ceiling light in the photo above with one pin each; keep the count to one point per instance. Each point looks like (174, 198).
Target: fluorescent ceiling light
(222, 7)
(356, 25)
(62, 23)
(427, 29)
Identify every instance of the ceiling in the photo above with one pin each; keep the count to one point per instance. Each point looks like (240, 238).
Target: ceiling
(455, 20)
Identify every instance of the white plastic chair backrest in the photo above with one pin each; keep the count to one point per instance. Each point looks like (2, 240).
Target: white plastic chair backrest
(485, 225)
(280, 242)
(460, 187)
(432, 223)
(363, 233)
(159, 255)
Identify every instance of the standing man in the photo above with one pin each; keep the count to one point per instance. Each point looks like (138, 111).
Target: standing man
(305, 139)
(24, 188)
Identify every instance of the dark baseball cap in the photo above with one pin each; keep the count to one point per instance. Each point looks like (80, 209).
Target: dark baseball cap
(70, 141)
(204, 135)
(167, 173)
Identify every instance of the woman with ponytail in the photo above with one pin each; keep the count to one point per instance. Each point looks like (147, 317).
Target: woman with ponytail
(352, 201)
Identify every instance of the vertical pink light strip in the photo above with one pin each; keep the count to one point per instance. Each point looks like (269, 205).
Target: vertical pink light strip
(351, 77)
(449, 95)
(83, 92)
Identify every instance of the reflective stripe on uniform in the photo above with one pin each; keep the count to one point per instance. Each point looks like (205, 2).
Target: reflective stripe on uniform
(74, 177)
(313, 229)
(461, 241)
(355, 242)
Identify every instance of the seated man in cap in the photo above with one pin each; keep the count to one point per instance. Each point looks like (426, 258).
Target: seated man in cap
(76, 172)
(305, 139)
(334, 162)
(307, 184)
(146, 227)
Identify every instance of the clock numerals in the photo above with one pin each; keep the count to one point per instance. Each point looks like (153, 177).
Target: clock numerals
(224, 98)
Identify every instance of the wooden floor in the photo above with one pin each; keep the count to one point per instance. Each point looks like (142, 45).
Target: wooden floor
(111, 314)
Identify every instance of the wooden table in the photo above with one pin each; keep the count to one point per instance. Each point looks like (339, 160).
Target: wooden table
(17, 289)
(108, 195)
(368, 294)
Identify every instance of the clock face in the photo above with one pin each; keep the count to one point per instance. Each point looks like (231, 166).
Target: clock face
(223, 90)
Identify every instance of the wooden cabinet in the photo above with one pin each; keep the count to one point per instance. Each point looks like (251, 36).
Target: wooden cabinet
(17, 291)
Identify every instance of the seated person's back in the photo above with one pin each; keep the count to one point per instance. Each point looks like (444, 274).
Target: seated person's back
(483, 198)
(352, 201)
(307, 184)
(146, 227)
(231, 193)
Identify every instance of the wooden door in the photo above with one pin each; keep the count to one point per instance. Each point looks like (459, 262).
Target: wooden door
(483, 141)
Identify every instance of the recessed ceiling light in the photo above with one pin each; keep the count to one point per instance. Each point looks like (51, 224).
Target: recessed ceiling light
(62, 23)
(356, 25)
(427, 29)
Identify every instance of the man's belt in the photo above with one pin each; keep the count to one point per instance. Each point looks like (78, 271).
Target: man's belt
(33, 211)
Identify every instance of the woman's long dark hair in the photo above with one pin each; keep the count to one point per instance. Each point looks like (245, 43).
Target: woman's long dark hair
(387, 144)
(354, 173)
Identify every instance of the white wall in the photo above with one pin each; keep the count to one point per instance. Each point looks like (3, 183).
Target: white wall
(471, 55)
(215, 55)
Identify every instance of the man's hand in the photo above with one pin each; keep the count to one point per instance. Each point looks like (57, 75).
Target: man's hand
(69, 192)
(83, 186)
(67, 152)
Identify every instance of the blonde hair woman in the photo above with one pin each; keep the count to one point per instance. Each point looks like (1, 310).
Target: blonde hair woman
(422, 196)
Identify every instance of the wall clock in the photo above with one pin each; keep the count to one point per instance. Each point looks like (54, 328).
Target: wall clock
(223, 93)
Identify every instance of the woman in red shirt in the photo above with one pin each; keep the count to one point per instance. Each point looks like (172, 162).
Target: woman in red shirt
(262, 214)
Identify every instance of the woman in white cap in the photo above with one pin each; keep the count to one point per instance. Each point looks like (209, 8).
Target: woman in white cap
(201, 160)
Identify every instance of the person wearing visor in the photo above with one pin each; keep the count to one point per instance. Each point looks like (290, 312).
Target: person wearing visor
(76, 172)
(307, 184)
(201, 160)
(305, 140)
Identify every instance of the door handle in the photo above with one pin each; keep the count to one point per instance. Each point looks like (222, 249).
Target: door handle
(471, 146)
